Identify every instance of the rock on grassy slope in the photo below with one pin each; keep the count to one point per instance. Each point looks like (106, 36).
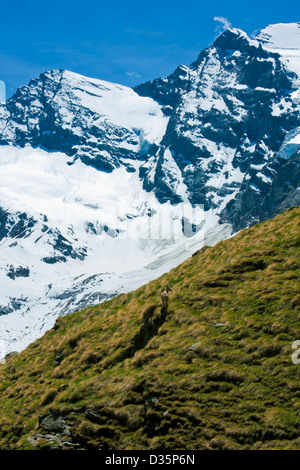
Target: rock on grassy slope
(213, 372)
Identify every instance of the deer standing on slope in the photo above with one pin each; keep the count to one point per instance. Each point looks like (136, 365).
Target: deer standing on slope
(165, 296)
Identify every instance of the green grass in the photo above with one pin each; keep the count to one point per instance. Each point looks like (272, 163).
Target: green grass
(214, 372)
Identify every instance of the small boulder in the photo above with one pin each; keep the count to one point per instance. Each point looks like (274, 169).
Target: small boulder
(54, 424)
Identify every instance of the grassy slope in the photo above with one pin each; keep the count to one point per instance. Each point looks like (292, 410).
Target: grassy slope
(126, 375)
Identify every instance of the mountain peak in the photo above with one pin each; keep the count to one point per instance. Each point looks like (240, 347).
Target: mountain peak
(234, 39)
(236, 31)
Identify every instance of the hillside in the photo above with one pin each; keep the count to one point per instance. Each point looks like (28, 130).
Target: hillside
(212, 372)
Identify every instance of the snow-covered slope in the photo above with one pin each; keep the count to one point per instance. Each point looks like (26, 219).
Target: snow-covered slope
(284, 39)
(104, 188)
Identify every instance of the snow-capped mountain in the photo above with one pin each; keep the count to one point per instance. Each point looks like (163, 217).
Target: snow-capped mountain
(104, 187)
(104, 124)
(234, 121)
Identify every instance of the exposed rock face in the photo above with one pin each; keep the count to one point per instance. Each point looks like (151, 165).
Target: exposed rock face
(284, 191)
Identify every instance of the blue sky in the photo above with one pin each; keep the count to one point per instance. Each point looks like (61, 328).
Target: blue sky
(124, 42)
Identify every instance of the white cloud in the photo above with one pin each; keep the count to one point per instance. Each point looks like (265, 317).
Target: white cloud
(225, 23)
(2, 91)
(133, 74)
